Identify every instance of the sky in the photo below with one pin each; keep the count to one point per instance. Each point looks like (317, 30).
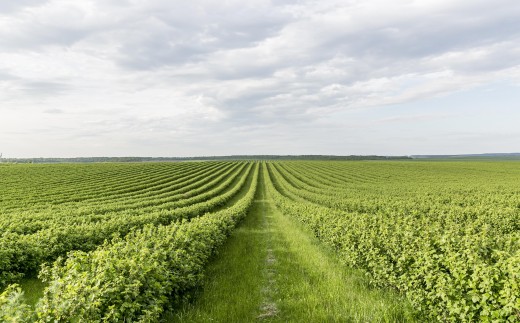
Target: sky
(203, 78)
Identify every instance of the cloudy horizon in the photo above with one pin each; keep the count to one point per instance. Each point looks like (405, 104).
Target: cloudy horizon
(162, 78)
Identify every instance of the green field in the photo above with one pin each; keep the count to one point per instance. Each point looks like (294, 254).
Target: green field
(275, 241)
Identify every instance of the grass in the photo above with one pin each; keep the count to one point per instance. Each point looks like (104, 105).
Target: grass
(313, 286)
(272, 269)
(232, 289)
(33, 290)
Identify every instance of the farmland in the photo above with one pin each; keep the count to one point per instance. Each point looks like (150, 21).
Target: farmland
(329, 241)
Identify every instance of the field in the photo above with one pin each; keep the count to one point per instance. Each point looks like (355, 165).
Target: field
(278, 241)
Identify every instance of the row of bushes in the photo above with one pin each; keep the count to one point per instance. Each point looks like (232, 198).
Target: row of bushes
(22, 254)
(459, 273)
(130, 279)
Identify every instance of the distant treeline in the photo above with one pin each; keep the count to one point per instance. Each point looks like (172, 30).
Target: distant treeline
(488, 156)
(178, 159)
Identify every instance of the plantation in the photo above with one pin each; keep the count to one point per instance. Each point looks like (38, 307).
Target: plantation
(132, 242)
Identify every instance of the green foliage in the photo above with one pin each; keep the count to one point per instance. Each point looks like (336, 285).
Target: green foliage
(455, 256)
(134, 278)
(124, 240)
(82, 220)
(12, 306)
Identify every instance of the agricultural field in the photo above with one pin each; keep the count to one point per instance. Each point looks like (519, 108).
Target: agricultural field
(277, 241)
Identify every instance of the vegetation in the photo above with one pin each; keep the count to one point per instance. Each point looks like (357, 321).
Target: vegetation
(131, 242)
(200, 158)
(78, 219)
(444, 234)
(272, 269)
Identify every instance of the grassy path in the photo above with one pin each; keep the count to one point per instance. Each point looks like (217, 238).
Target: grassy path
(232, 288)
(271, 269)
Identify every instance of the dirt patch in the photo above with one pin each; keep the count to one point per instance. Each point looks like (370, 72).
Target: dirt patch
(268, 310)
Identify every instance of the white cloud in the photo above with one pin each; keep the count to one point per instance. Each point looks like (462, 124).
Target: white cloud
(199, 70)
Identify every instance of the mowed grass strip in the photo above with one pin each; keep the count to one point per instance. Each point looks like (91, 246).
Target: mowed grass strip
(272, 270)
(232, 289)
(313, 286)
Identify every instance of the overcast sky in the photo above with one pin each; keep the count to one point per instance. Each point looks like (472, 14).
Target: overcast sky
(185, 78)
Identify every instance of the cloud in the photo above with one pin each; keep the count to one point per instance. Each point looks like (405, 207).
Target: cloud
(188, 70)
(8, 7)
(53, 111)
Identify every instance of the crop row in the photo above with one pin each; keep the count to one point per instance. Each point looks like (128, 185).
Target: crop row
(130, 279)
(44, 240)
(452, 266)
(94, 193)
(47, 183)
(496, 209)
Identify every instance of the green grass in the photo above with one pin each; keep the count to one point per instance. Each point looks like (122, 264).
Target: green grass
(232, 288)
(33, 290)
(271, 269)
(313, 286)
